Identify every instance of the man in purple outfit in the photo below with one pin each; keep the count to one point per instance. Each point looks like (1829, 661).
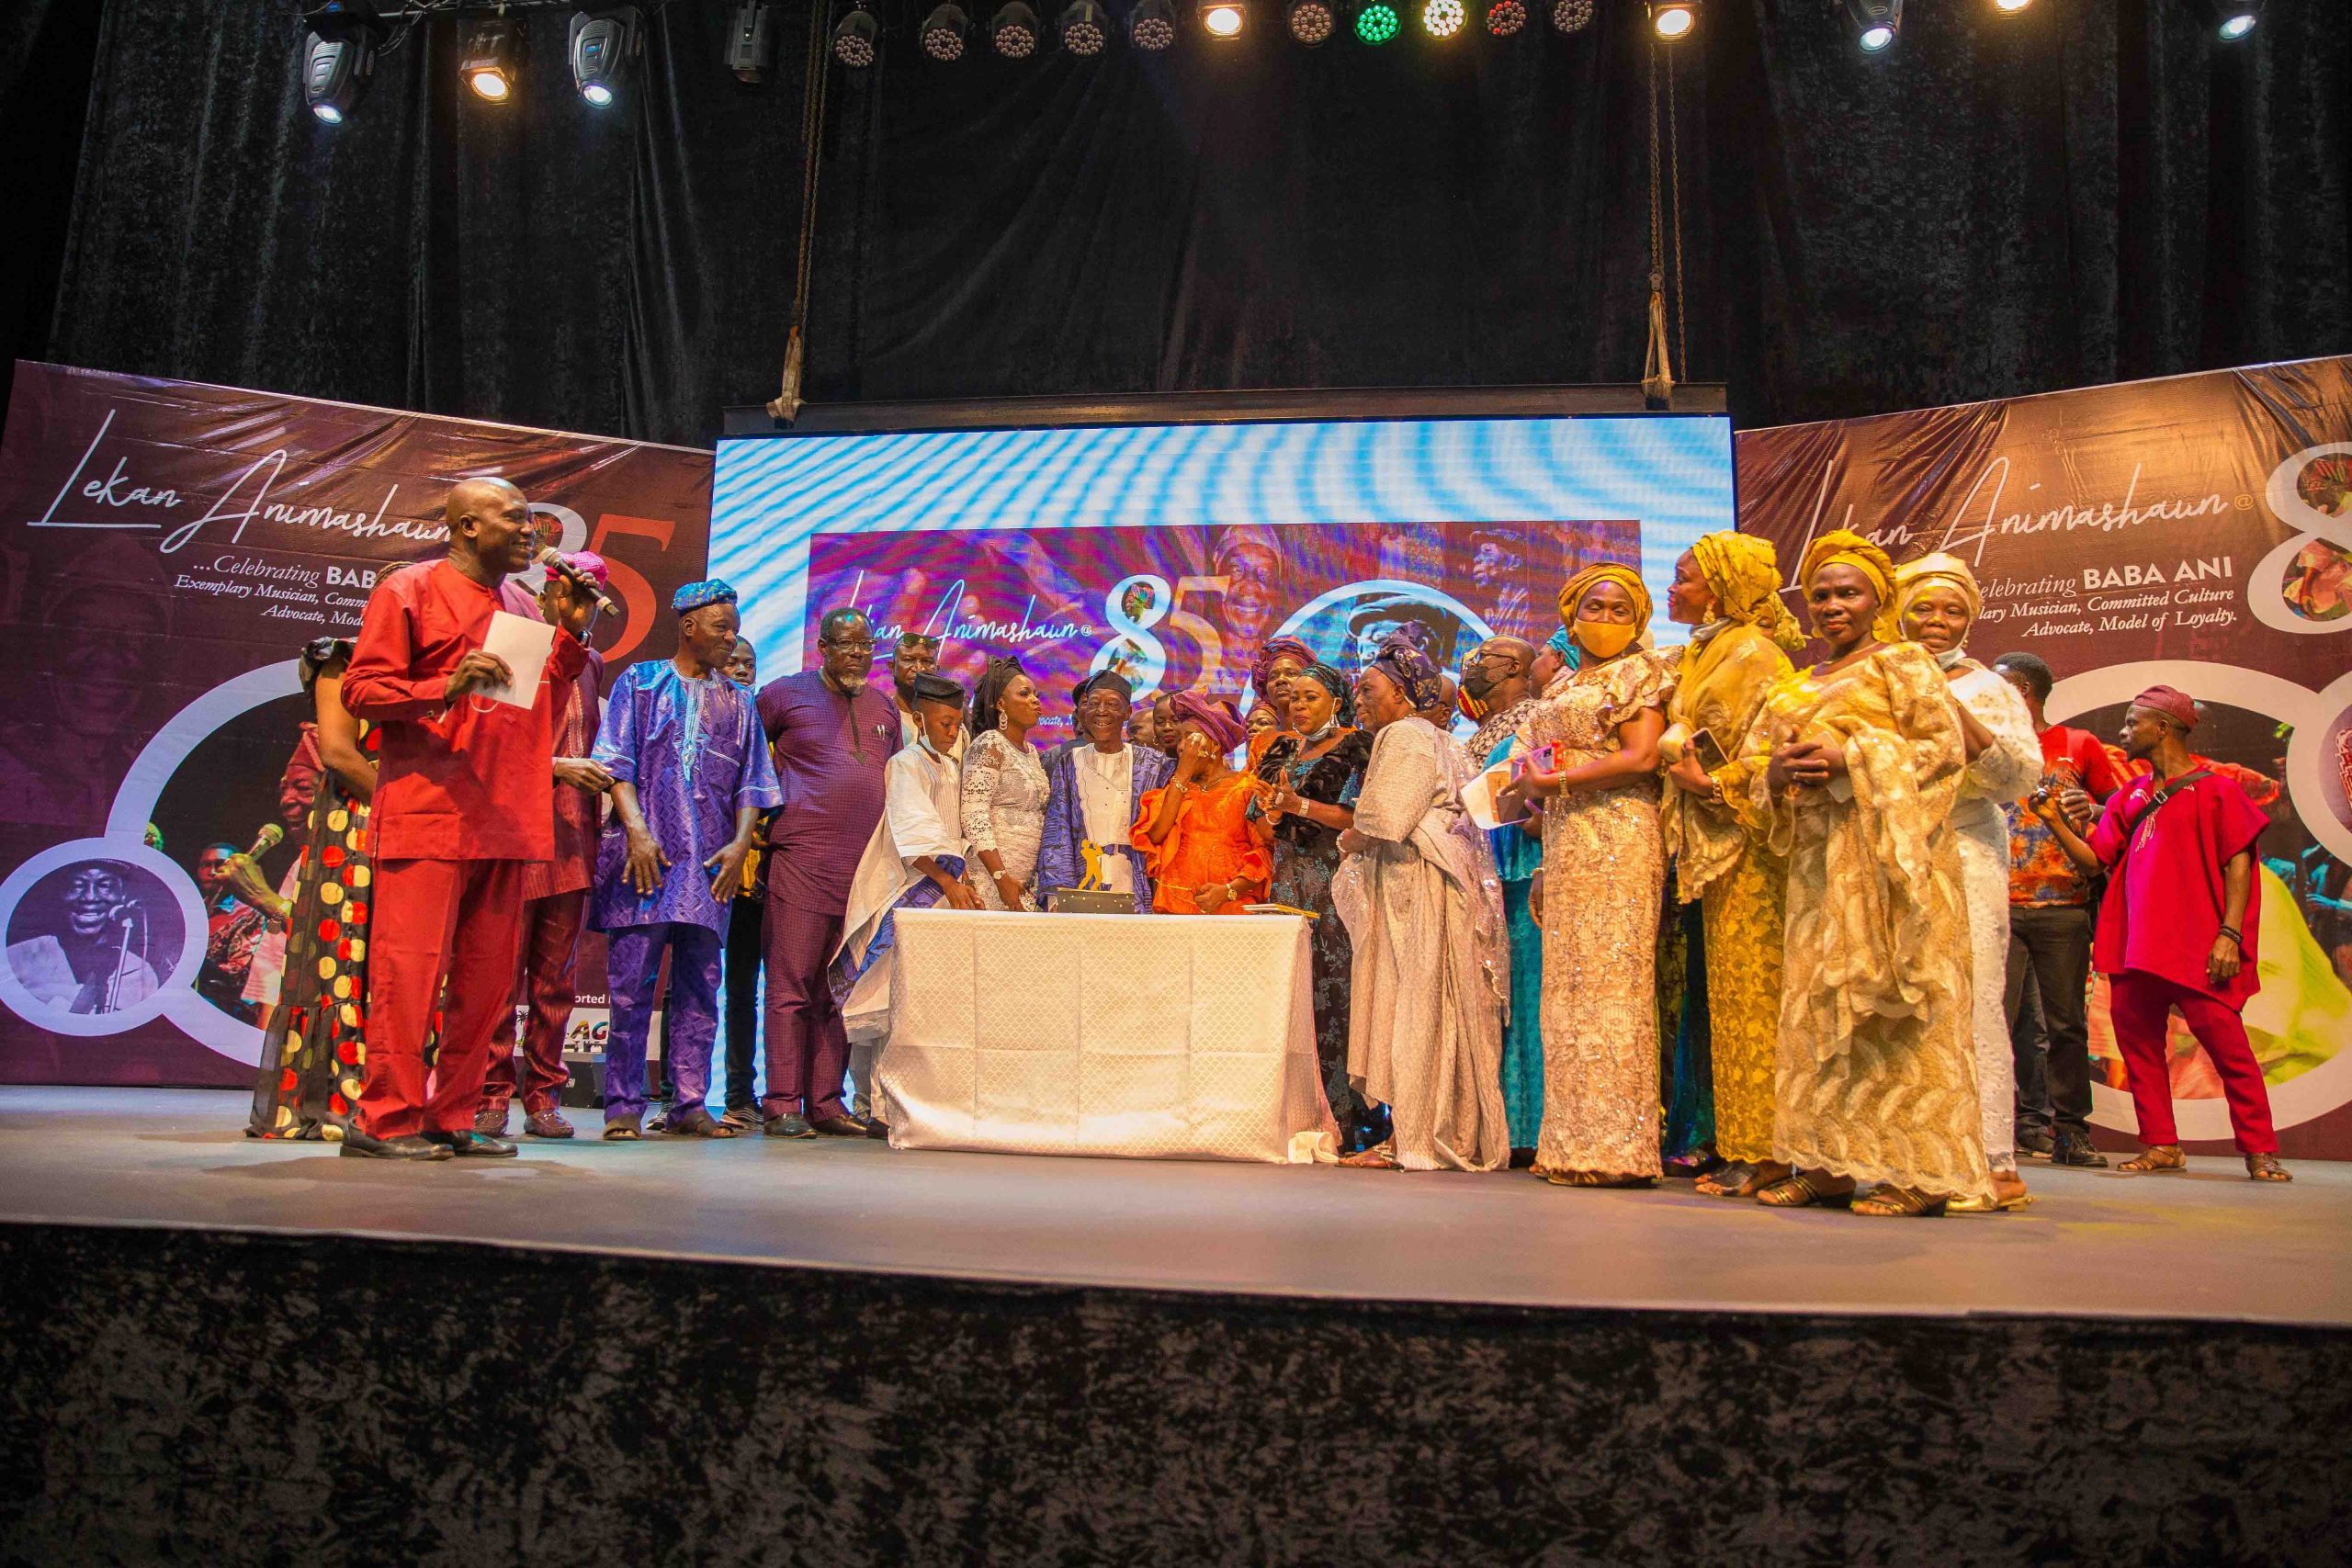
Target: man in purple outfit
(831, 733)
(691, 775)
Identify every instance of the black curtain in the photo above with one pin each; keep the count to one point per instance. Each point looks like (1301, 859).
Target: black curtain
(2092, 190)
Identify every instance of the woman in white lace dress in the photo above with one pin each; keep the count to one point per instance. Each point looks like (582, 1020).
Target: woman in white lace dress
(1005, 789)
(1936, 598)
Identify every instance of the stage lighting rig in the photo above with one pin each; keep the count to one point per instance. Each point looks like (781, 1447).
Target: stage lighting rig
(1222, 18)
(339, 50)
(1084, 28)
(944, 31)
(1571, 16)
(1506, 18)
(1013, 30)
(1673, 20)
(1376, 22)
(1443, 19)
(1151, 25)
(857, 37)
(1877, 23)
(1310, 21)
(750, 40)
(601, 42)
(2233, 19)
(490, 58)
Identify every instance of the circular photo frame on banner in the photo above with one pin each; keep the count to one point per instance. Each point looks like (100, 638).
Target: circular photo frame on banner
(2303, 1005)
(100, 933)
(2304, 586)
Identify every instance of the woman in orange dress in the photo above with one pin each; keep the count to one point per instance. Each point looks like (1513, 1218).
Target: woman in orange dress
(1206, 852)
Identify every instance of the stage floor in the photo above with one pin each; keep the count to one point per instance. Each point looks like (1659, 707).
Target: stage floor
(2209, 1245)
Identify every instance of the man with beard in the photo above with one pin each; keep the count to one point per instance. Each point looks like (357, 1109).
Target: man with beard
(232, 930)
(2178, 928)
(89, 967)
(831, 732)
(465, 800)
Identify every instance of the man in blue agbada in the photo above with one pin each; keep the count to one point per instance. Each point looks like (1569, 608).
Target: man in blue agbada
(691, 774)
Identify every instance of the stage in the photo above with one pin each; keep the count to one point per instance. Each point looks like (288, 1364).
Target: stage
(832, 1352)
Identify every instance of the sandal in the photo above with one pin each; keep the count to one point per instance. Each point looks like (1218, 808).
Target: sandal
(1377, 1157)
(624, 1130)
(1799, 1190)
(697, 1124)
(1597, 1179)
(2164, 1159)
(1733, 1180)
(1974, 1205)
(1886, 1200)
(2266, 1168)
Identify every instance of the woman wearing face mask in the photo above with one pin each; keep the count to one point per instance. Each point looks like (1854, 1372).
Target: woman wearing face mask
(1727, 586)
(1005, 788)
(1597, 897)
(1311, 772)
(1937, 599)
(1860, 760)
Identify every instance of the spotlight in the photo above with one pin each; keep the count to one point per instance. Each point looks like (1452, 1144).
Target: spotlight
(1151, 26)
(1571, 16)
(1442, 18)
(944, 31)
(339, 57)
(1013, 30)
(1376, 22)
(750, 42)
(1876, 23)
(493, 57)
(1311, 21)
(1673, 20)
(1221, 19)
(2235, 18)
(854, 36)
(2010, 7)
(602, 42)
(1084, 28)
(1505, 18)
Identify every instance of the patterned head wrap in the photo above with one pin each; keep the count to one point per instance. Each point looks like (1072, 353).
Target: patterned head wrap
(1343, 698)
(1262, 669)
(1560, 643)
(1914, 578)
(1743, 574)
(694, 596)
(1843, 546)
(2170, 701)
(1624, 577)
(1216, 716)
(1415, 672)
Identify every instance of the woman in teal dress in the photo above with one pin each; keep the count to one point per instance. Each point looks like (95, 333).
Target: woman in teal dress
(1499, 692)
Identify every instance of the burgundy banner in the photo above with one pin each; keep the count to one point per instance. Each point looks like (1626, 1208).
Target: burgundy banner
(166, 550)
(2196, 531)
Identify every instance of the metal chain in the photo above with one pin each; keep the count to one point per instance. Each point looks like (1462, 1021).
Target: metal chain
(1657, 261)
(1674, 153)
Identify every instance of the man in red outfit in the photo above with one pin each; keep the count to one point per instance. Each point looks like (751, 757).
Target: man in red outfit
(465, 799)
(555, 907)
(2179, 926)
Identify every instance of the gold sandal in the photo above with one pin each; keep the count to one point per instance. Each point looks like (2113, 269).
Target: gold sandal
(2164, 1159)
(2266, 1168)
(1798, 1190)
(1886, 1200)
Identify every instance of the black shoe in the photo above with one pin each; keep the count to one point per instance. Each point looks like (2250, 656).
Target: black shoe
(2073, 1148)
(841, 1126)
(788, 1126)
(467, 1143)
(2035, 1143)
(358, 1144)
(877, 1128)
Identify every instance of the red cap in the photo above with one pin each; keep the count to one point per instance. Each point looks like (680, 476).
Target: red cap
(2170, 701)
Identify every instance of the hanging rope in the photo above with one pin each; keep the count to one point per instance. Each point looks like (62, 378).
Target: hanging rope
(786, 406)
(1657, 365)
(1674, 204)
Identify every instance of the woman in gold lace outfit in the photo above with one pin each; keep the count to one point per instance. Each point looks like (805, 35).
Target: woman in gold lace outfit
(1597, 895)
(1859, 761)
(1728, 587)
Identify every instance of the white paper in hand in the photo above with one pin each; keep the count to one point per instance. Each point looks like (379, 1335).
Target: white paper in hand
(524, 644)
(1478, 797)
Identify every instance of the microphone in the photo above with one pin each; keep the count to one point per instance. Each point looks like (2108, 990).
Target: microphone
(268, 839)
(553, 559)
(123, 912)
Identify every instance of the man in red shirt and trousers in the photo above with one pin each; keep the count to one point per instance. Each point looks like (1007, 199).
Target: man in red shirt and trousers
(465, 799)
(2178, 927)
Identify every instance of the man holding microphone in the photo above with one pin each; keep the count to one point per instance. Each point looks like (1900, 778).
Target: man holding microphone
(465, 799)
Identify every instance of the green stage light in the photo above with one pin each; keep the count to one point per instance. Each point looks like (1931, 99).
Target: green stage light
(1376, 21)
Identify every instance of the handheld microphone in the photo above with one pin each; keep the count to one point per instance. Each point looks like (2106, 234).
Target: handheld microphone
(268, 839)
(124, 911)
(553, 559)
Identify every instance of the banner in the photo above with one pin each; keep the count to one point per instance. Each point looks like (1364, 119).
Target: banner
(2197, 532)
(166, 548)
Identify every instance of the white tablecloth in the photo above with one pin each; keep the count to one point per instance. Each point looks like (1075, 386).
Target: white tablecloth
(1167, 1036)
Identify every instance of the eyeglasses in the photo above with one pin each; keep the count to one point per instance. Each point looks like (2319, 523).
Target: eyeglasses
(863, 645)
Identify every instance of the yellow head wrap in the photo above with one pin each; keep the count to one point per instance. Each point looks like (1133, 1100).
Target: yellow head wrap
(1743, 574)
(1842, 546)
(1624, 577)
(1915, 577)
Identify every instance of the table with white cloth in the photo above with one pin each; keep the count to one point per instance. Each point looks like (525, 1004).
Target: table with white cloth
(1148, 1036)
